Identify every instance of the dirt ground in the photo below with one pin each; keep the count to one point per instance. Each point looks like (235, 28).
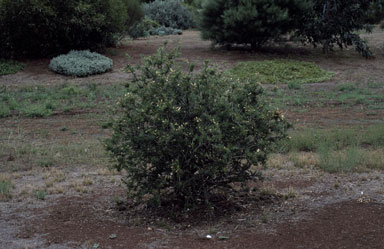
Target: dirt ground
(298, 208)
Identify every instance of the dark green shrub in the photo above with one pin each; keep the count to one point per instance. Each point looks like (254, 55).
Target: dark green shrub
(253, 22)
(80, 63)
(185, 135)
(169, 13)
(43, 27)
(331, 23)
(375, 13)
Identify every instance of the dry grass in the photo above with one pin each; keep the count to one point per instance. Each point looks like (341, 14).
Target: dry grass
(304, 159)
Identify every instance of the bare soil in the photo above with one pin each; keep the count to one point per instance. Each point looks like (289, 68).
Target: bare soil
(297, 207)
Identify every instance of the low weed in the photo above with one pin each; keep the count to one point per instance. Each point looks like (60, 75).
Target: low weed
(294, 85)
(10, 67)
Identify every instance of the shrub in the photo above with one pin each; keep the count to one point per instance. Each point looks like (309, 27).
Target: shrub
(9, 67)
(331, 23)
(165, 31)
(143, 28)
(183, 136)
(43, 27)
(81, 63)
(253, 22)
(280, 71)
(170, 13)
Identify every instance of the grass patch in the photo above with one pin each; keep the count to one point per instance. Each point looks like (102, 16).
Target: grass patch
(42, 149)
(10, 67)
(312, 140)
(334, 150)
(280, 71)
(43, 101)
(340, 161)
(345, 95)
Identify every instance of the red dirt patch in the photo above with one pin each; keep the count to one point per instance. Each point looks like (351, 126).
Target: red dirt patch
(81, 221)
(349, 225)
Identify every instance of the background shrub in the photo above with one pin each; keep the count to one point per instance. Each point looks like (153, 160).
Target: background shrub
(375, 12)
(253, 22)
(165, 31)
(143, 28)
(43, 27)
(170, 13)
(185, 135)
(81, 63)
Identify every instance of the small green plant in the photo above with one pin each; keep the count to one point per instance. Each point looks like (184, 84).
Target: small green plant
(264, 218)
(39, 194)
(280, 71)
(81, 63)
(10, 67)
(4, 111)
(183, 136)
(5, 190)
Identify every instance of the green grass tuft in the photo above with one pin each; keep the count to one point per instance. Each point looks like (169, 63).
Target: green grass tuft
(5, 190)
(39, 194)
(280, 71)
(9, 67)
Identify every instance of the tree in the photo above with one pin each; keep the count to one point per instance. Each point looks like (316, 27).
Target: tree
(253, 22)
(336, 22)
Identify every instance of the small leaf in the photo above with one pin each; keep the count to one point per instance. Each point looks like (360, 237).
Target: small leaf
(223, 237)
(113, 236)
